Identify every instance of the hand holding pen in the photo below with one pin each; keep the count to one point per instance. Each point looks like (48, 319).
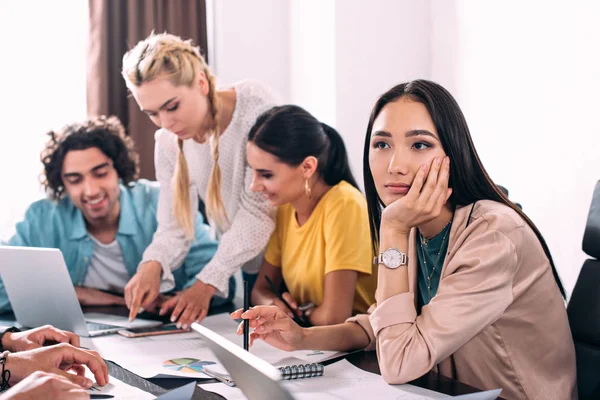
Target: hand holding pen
(287, 304)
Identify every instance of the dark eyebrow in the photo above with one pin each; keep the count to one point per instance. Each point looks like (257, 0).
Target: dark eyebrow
(161, 107)
(100, 166)
(382, 133)
(72, 175)
(420, 132)
(263, 171)
(78, 174)
(412, 133)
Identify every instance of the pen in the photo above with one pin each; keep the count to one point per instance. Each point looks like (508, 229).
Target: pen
(101, 396)
(300, 321)
(246, 322)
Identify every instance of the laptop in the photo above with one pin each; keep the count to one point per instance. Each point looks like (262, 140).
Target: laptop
(256, 378)
(41, 292)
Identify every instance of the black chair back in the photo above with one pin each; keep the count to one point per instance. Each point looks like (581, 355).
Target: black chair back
(584, 308)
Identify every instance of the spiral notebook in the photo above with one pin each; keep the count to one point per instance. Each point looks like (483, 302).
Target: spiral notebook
(302, 371)
(288, 372)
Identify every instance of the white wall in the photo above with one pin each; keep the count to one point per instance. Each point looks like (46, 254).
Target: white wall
(445, 45)
(43, 88)
(525, 74)
(312, 57)
(325, 55)
(251, 40)
(377, 47)
(528, 83)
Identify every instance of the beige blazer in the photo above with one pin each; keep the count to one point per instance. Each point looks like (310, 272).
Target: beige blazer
(498, 319)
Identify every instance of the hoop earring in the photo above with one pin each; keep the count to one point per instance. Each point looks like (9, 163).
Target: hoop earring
(307, 189)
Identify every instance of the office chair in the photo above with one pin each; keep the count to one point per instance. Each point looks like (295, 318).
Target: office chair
(584, 308)
(505, 191)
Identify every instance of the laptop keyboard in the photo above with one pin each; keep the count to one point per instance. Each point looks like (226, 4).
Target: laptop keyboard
(92, 326)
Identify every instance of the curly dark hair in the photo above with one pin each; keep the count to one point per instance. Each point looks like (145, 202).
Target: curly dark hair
(105, 133)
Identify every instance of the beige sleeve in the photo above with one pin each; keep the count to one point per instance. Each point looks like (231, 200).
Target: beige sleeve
(474, 294)
(365, 323)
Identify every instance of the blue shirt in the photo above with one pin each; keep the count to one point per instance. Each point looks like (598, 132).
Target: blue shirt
(61, 225)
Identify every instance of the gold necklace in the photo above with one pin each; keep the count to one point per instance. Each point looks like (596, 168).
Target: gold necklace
(429, 276)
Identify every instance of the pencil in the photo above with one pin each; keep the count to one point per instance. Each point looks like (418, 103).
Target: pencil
(246, 322)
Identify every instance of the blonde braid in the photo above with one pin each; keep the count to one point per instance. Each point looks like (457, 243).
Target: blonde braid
(215, 209)
(182, 206)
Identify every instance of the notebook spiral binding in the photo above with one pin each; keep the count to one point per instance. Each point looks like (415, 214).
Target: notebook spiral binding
(302, 371)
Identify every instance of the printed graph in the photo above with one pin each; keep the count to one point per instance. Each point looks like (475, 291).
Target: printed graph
(186, 365)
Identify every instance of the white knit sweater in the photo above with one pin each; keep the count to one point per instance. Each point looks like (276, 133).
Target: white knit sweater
(252, 219)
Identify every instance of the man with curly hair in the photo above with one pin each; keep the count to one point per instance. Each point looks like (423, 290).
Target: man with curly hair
(100, 216)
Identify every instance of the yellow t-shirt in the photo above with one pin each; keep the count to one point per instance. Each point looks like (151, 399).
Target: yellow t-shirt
(335, 237)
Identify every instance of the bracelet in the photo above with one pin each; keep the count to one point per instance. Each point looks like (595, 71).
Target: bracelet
(9, 330)
(5, 372)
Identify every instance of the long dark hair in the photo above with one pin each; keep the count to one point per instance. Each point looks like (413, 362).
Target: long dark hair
(291, 134)
(468, 178)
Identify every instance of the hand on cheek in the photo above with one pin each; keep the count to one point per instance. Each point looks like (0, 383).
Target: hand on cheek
(429, 192)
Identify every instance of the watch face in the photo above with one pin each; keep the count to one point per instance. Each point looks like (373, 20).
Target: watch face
(392, 258)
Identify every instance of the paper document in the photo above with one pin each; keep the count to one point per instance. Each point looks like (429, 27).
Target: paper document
(341, 380)
(177, 355)
(487, 395)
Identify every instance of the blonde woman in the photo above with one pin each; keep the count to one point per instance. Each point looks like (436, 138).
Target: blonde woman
(199, 153)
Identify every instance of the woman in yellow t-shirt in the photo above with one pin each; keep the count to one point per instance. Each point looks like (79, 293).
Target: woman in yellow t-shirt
(321, 244)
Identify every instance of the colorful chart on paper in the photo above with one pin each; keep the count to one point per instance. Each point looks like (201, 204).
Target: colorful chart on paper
(186, 365)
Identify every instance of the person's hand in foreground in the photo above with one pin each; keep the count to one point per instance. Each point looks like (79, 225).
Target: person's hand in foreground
(62, 359)
(38, 337)
(45, 386)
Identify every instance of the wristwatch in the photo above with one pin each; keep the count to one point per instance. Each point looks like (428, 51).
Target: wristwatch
(391, 258)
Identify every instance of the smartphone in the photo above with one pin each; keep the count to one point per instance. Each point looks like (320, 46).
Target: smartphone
(152, 331)
(306, 307)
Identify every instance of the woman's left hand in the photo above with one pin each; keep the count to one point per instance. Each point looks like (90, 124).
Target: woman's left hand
(423, 202)
(189, 305)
